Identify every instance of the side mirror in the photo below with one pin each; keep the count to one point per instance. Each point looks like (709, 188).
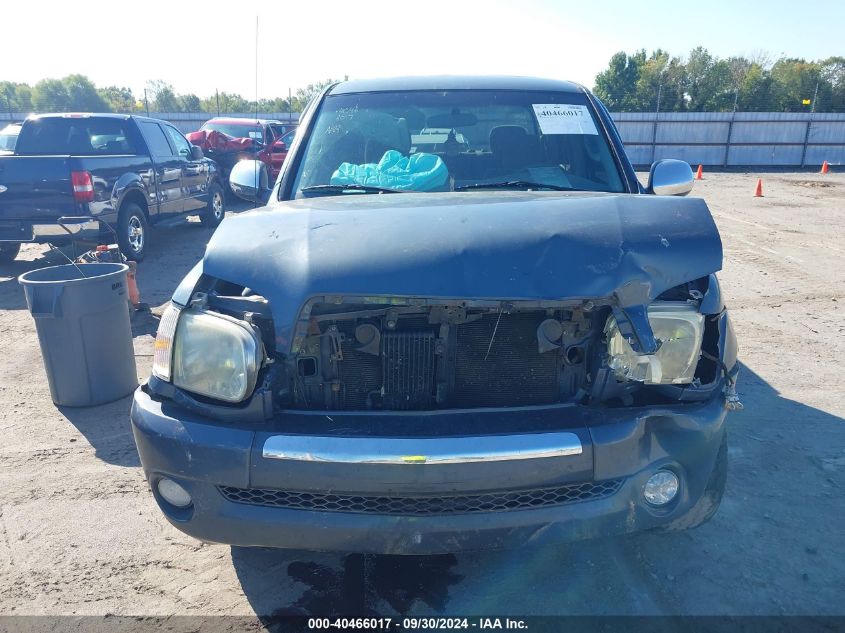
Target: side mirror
(196, 152)
(248, 180)
(279, 147)
(670, 177)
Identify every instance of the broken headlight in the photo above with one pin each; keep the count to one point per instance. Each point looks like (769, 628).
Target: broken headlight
(209, 354)
(679, 328)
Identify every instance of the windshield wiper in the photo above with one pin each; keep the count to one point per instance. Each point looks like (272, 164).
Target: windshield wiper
(342, 188)
(514, 184)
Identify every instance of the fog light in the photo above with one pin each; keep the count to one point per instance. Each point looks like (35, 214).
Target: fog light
(661, 488)
(173, 493)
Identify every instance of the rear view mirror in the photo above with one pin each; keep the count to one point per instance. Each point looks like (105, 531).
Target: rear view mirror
(196, 152)
(452, 120)
(670, 177)
(279, 147)
(248, 180)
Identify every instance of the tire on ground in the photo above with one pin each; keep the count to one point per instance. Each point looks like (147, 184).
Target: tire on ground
(133, 231)
(215, 211)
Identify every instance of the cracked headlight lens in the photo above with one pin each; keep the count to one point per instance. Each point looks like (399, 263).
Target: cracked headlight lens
(215, 356)
(680, 329)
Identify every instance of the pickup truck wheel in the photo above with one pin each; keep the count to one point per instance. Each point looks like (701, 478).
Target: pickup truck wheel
(132, 231)
(706, 507)
(8, 252)
(214, 213)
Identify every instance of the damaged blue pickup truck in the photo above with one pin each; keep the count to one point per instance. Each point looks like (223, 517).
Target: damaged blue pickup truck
(458, 323)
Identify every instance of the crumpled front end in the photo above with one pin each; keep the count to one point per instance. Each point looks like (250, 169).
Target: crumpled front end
(587, 398)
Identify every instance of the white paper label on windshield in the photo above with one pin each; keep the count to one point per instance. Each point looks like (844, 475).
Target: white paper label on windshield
(563, 118)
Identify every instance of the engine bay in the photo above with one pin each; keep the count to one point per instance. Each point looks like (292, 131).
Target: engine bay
(417, 357)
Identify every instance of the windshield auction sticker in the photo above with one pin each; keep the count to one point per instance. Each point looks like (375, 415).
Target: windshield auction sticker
(562, 118)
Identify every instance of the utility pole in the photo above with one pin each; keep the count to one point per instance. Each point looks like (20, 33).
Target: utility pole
(146, 102)
(656, 115)
(659, 91)
(256, 68)
(290, 106)
(731, 128)
(217, 95)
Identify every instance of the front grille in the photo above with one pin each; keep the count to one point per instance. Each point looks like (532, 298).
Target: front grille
(425, 506)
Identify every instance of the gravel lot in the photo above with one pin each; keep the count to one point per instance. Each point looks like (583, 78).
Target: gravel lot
(80, 533)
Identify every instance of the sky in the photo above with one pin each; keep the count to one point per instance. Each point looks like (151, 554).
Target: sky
(206, 45)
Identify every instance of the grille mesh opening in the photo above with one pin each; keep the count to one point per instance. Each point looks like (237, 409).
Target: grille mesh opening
(424, 506)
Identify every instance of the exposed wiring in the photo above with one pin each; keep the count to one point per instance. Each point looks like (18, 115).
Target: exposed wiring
(732, 402)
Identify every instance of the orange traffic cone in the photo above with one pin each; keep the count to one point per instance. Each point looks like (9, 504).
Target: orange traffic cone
(825, 167)
(758, 192)
(698, 173)
(134, 294)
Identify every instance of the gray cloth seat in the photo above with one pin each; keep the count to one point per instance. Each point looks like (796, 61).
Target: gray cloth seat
(513, 148)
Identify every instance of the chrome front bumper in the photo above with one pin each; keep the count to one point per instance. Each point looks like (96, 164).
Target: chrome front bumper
(438, 450)
(267, 488)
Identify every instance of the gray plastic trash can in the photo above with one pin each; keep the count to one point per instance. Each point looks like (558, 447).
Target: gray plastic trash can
(82, 317)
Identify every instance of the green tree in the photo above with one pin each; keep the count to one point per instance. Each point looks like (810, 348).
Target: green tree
(832, 72)
(660, 77)
(50, 95)
(699, 79)
(717, 90)
(189, 103)
(82, 94)
(304, 95)
(755, 90)
(795, 80)
(117, 99)
(161, 96)
(273, 105)
(617, 86)
(229, 102)
(15, 97)
(704, 82)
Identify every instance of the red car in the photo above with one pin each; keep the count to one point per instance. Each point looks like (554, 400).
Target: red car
(228, 140)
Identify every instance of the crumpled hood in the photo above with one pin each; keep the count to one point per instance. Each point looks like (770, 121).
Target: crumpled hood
(482, 245)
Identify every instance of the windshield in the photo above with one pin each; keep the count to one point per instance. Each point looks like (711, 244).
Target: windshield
(236, 130)
(456, 140)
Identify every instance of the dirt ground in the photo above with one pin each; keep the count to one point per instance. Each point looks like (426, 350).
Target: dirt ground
(80, 533)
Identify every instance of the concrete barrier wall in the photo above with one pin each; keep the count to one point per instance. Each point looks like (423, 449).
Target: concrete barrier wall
(734, 139)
